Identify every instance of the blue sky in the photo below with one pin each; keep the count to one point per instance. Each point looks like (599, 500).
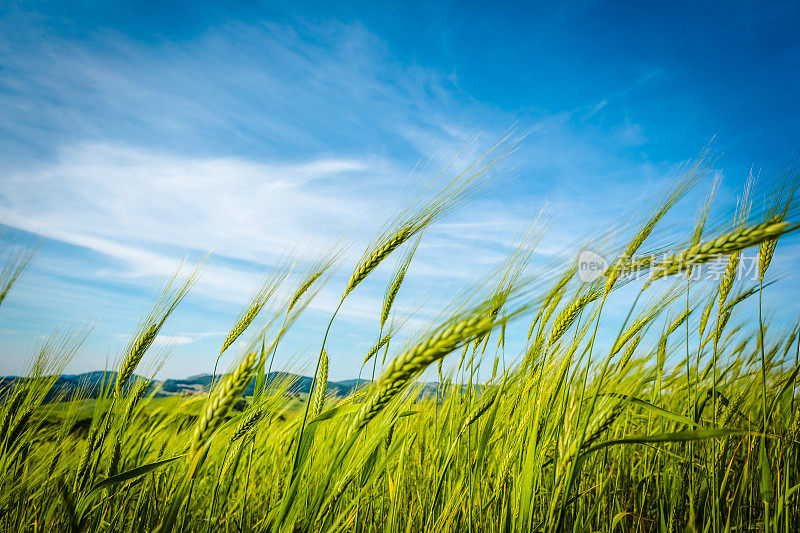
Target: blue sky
(134, 133)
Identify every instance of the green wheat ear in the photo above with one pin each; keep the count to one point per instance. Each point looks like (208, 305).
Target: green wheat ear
(221, 400)
(247, 424)
(724, 245)
(426, 208)
(172, 295)
(317, 398)
(695, 171)
(397, 280)
(262, 295)
(401, 369)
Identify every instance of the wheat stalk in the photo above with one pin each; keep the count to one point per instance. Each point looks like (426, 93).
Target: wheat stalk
(309, 281)
(401, 369)
(557, 291)
(466, 185)
(483, 405)
(136, 395)
(728, 278)
(221, 400)
(629, 351)
(12, 406)
(13, 268)
(397, 280)
(247, 424)
(694, 172)
(378, 254)
(233, 456)
(787, 187)
(567, 316)
(723, 245)
(151, 325)
(320, 386)
(257, 303)
(706, 315)
(375, 349)
(135, 353)
(640, 323)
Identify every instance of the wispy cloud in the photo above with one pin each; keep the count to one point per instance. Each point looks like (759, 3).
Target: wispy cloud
(173, 340)
(249, 140)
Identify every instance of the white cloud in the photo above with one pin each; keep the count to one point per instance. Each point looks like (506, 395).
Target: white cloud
(172, 340)
(323, 125)
(96, 193)
(142, 152)
(143, 209)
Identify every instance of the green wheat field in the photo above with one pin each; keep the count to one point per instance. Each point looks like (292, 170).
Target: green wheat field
(525, 406)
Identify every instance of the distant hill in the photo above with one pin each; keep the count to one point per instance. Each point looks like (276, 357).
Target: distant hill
(301, 385)
(69, 385)
(92, 383)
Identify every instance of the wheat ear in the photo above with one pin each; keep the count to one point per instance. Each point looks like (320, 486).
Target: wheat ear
(724, 245)
(303, 288)
(135, 353)
(397, 280)
(321, 386)
(256, 304)
(151, 325)
(381, 252)
(375, 349)
(221, 401)
(247, 424)
(694, 172)
(567, 316)
(401, 369)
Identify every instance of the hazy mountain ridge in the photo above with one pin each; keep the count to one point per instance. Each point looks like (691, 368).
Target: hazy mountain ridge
(68, 385)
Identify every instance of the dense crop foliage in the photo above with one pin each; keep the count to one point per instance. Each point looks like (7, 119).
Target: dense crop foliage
(686, 420)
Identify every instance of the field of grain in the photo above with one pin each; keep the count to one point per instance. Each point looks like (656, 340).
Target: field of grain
(688, 421)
